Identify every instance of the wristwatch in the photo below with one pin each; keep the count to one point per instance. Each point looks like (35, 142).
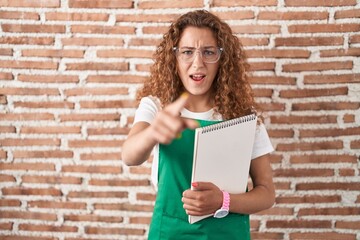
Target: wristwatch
(224, 210)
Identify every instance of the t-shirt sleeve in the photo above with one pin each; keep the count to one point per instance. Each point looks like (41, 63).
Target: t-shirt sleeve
(147, 110)
(262, 143)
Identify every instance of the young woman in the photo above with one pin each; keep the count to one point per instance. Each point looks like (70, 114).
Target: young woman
(199, 78)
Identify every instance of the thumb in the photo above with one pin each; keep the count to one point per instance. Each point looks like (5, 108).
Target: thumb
(201, 186)
(176, 107)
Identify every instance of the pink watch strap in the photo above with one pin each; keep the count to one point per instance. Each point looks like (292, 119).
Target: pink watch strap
(226, 200)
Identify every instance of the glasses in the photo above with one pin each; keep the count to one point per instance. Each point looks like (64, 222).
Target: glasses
(208, 54)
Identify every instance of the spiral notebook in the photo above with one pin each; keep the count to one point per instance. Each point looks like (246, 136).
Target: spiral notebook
(222, 155)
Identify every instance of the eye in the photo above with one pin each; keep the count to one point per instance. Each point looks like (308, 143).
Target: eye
(187, 52)
(208, 52)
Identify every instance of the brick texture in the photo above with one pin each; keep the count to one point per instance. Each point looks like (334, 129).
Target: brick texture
(69, 71)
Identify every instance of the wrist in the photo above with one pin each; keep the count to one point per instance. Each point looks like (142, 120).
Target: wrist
(224, 210)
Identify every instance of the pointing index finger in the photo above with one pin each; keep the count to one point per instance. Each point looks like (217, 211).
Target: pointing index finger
(176, 107)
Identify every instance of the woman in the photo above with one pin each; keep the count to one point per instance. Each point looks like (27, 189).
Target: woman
(199, 78)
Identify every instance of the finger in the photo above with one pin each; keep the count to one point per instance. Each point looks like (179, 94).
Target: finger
(202, 186)
(190, 123)
(176, 107)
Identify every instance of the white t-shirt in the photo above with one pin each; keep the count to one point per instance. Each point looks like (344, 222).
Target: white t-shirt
(149, 106)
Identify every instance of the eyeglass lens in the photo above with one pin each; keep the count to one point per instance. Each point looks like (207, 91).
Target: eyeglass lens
(208, 54)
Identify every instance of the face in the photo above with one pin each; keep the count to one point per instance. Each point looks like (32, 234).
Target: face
(197, 76)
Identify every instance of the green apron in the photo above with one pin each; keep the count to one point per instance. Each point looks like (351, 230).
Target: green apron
(170, 220)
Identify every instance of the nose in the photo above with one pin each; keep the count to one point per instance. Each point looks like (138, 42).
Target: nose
(198, 61)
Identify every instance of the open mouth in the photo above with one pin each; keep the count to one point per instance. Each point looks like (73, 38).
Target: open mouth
(197, 77)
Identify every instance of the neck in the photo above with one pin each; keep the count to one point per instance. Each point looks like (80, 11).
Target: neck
(199, 103)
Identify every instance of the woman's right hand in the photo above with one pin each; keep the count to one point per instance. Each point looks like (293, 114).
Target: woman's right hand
(168, 124)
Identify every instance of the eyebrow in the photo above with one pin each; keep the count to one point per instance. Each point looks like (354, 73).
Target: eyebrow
(200, 47)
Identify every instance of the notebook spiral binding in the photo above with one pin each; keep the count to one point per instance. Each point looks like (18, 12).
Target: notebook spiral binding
(228, 123)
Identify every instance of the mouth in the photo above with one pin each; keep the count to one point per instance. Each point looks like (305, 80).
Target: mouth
(197, 77)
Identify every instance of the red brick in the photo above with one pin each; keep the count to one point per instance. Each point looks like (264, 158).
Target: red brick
(28, 64)
(43, 154)
(124, 207)
(146, 197)
(30, 142)
(317, 66)
(6, 226)
(255, 29)
(340, 52)
(310, 146)
(288, 15)
(278, 53)
(307, 93)
(114, 66)
(125, 53)
(114, 231)
(308, 199)
(10, 203)
(64, 16)
(119, 182)
(3, 99)
(347, 211)
(27, 40)
(266, 235)
(146, 17)
(349, 118)
(144, 42)
(303, 172)
(102, 194)
(31, 4)
(263, 92)
(6, 52)
(347, 172)
(64, 105)
(328, 79)
(51, 130)
(325, 106)
(234, 3)
(319, 3)
(53, 53)
(140, 170)
(280, 133)
(33, 28)
(92, 41)
(321, 235)
(6, 76)
(140, 220)
(104, 169)
(235, 15)
(108, 131)
(316, 224)
(347, 225)
(154, 30)
(170, 4)
(7, 178)
(328, 158)
(101, 4)
(93, 218)
(278, 80)
(108, 104)
(29, 91)
(303, 119)
(333, 132)
(49, 78)
(116, 79)
(355, 144)
(95, 143)
(26, 237)
(308, 41)
(352, 13)
(57, 205)
(19, 15)
(338, 186)
(31, 191)
(101, 29)
(51, 179)
(47, 228)
(29, 215)
(26, 116)
(354, 39)
(254, 41)
(271, 107)
(28, 166)
(262, 66)
(88, 117)
(100, 156)
(315, 28)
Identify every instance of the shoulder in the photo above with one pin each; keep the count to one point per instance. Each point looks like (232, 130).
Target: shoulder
(147, 109)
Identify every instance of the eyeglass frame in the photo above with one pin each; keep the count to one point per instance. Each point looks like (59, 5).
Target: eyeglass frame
(219, 49)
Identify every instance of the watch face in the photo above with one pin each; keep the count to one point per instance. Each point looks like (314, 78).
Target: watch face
(221, 213)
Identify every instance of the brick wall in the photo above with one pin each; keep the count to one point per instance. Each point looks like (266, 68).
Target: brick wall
(69, 70)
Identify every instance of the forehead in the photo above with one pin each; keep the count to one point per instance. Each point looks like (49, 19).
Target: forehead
(197, 37)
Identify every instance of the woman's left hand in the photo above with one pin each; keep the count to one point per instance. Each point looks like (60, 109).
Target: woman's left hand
(205, 198)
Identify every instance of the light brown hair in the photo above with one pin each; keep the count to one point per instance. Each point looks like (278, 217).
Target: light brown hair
(233, 96)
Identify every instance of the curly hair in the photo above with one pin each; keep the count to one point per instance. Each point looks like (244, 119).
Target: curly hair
(233, 96)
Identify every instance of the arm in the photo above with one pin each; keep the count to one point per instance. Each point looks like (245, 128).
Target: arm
(208, 198)
(165, 127)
